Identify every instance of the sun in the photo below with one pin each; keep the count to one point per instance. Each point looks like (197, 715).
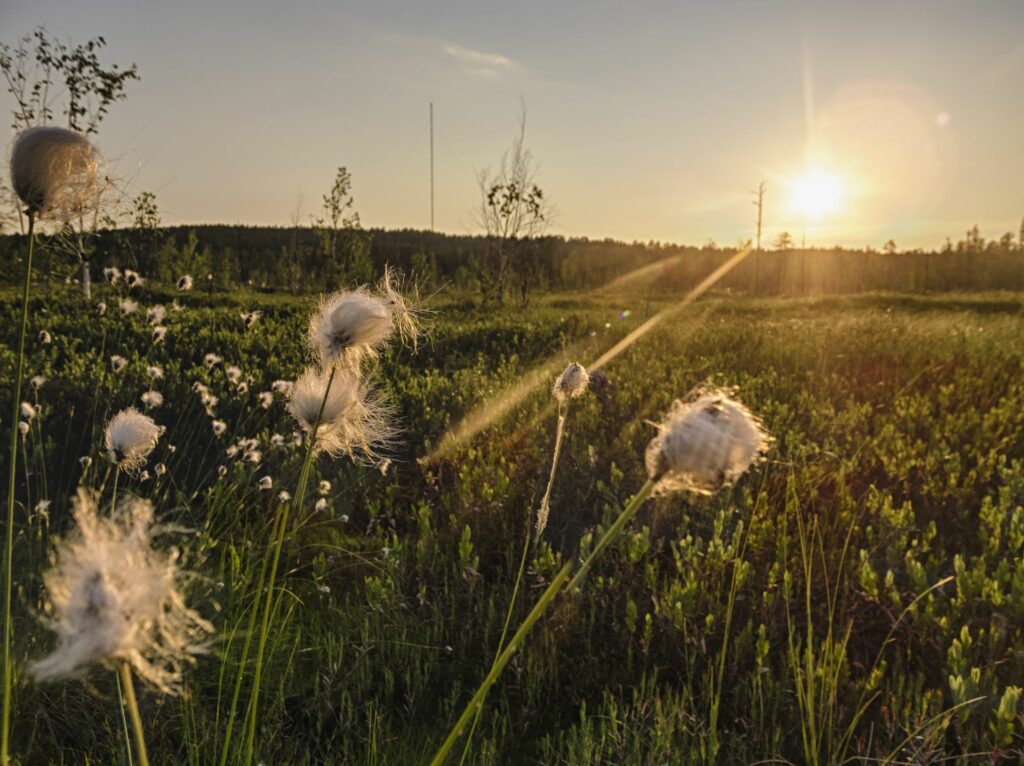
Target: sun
(817, 194)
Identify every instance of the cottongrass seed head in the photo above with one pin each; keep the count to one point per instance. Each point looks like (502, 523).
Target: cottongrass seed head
(349, 326)
(354, 421)
(185, 283)
(111, 598)
(406, 315)
(156, 314)
(571, 383)
(152, 399)
(130, 437)
(705, 444)
(55, 172)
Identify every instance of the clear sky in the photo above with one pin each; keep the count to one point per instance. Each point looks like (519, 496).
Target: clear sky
(649, 120)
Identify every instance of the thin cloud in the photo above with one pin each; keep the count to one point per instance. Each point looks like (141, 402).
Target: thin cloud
(479, 62)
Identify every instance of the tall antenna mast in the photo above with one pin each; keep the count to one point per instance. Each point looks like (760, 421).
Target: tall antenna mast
(431, 165)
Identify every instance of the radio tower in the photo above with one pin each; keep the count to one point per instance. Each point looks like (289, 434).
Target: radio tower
(431, 165)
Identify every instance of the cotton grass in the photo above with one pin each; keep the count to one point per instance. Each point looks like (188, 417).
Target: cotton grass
(112, 598)
(572, 383)
(55, 172)
(349, 326)
(705, 444)
(130, 437)
(353, 420)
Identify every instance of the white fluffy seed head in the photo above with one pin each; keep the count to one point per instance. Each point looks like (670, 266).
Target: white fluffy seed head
(705, 444)
(152, 399)
(185, 283)
(112, 274)
(55, 172)
(118, 363)
(156, 314)
(130, 437)
(571, 383)
(111, 598)
(354, 422)
(349, 326)
(128, 306)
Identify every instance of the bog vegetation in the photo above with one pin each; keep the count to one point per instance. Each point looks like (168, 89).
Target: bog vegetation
(412, 522)
(860, 593)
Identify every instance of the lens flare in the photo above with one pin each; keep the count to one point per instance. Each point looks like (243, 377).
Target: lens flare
(817, 194)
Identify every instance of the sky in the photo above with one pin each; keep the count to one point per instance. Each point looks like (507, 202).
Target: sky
(647, 120)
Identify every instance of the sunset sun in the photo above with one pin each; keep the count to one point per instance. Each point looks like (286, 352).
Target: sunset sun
(817, 194)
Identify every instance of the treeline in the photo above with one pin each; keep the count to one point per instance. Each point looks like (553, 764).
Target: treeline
(313, 260)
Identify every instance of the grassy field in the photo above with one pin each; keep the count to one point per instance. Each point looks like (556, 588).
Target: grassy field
(857, 597)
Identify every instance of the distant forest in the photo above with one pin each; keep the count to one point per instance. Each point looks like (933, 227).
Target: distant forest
(308, 259)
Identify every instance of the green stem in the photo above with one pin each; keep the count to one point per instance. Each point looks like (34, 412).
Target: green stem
(545, 503)
(609, 536)
(504, 632)
(613, 532)
(113, 495)
(250, 631)
(133, 711)
(542, 520)
(5, 726)
(300, 493)
(539, 608)
(124, 719)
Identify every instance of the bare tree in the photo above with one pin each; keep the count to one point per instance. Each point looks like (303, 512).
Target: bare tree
(513, 212)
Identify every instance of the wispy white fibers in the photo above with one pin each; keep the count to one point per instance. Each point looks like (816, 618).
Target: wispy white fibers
(156, 314)
(349, 326)
(705, 444)
(185, 283)
(354, 422)
(112, 598)
(130, 437)
(572, 383)
(405, 315)
(55, 172)
(250, 318)
(152, 399)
